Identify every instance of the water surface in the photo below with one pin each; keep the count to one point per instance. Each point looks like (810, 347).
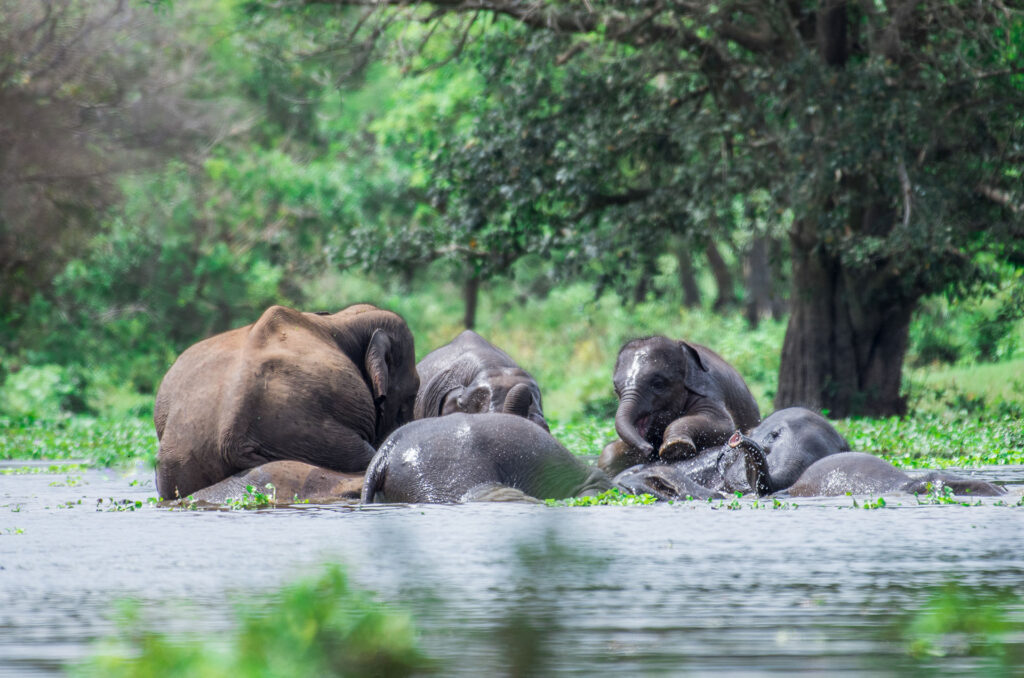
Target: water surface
(680, 589)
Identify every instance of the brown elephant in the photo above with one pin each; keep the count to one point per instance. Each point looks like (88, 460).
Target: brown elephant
(471, 375)
(675, 399)
(320, 388)
(289, 481)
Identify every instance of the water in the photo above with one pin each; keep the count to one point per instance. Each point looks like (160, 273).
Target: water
(659, 590)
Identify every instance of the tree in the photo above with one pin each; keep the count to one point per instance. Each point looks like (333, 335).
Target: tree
(889, 131)
(88, 91)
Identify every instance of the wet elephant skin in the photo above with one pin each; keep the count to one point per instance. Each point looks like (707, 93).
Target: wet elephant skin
(789, 441)
(675, 400)
(293, 481)
(860, 473)
(474, 457)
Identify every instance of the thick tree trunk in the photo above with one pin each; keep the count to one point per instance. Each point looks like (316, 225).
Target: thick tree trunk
(470, 295)
(846, 338)
(687, 278)
(723, 277)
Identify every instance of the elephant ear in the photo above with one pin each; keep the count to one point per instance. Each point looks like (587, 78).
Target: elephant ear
(698, 378)
(377, 354)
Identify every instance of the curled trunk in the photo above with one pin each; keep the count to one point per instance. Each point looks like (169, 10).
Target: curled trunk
(756, 463)
(517, 400)
(625, 424)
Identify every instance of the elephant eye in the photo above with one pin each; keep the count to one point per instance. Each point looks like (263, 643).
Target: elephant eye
(658, 384)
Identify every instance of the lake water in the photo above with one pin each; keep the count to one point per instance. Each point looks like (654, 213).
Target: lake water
(681, 589)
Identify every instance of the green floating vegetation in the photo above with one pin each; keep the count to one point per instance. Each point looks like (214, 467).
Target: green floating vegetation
(612, 497)
(254, 498)
(935, 441)
(101, 442)
(870, 504)
(317, 627)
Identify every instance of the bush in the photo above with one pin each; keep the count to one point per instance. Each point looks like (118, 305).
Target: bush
(320, 627)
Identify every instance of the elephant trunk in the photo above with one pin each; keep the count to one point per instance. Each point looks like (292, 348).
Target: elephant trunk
(755, 461)
(517, 401)
(625, 424)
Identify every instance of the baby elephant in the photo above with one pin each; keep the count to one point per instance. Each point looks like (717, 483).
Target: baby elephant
(859, 473)
(770, 459)
(471, 375)
(675, 399)
(479, 457)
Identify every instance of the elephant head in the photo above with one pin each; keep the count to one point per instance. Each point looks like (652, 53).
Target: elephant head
(390, 365)
(657, 381)
(508, 390)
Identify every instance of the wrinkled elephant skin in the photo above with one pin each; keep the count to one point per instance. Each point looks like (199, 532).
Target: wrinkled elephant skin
(324, 389)
(471, 375)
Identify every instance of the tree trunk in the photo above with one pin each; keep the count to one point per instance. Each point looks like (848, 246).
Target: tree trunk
(846, 338)
(759, 282)
(470, 294)
(687, 278)
(723, 277)
(780, 304)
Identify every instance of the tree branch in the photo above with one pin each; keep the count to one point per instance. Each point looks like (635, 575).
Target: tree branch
(1001, 197)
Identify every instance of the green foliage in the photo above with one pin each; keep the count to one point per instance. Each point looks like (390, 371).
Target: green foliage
(870, 504)
(100, 442)
(40, 392)
(957, 621)
(932, 441)
(942, 494)
(320, 627)
(612, 497)
(254, 498)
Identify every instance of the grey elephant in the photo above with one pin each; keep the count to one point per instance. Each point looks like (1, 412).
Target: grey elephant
(471, 375)
(324, 389)
(290, 481)
(675, 399)
(860, 473)
(478, 457)
(771, 458)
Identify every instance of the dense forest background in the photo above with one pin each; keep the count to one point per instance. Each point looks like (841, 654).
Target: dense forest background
(826, 192)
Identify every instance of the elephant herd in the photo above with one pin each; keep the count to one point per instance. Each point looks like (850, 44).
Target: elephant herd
(333, 406)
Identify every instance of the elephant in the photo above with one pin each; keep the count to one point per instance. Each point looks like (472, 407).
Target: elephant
(860, 473)
(320, 388)
(675, 398)
(476, 457)
(770, 459)
(292, 481)
(471, 375)
(784, 446)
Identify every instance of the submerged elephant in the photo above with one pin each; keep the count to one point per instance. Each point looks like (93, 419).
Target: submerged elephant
(860, 473)
(291, 481)
(676, 399)
(479, 457)
(471, 375)
(770, 459)
(319, 388)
